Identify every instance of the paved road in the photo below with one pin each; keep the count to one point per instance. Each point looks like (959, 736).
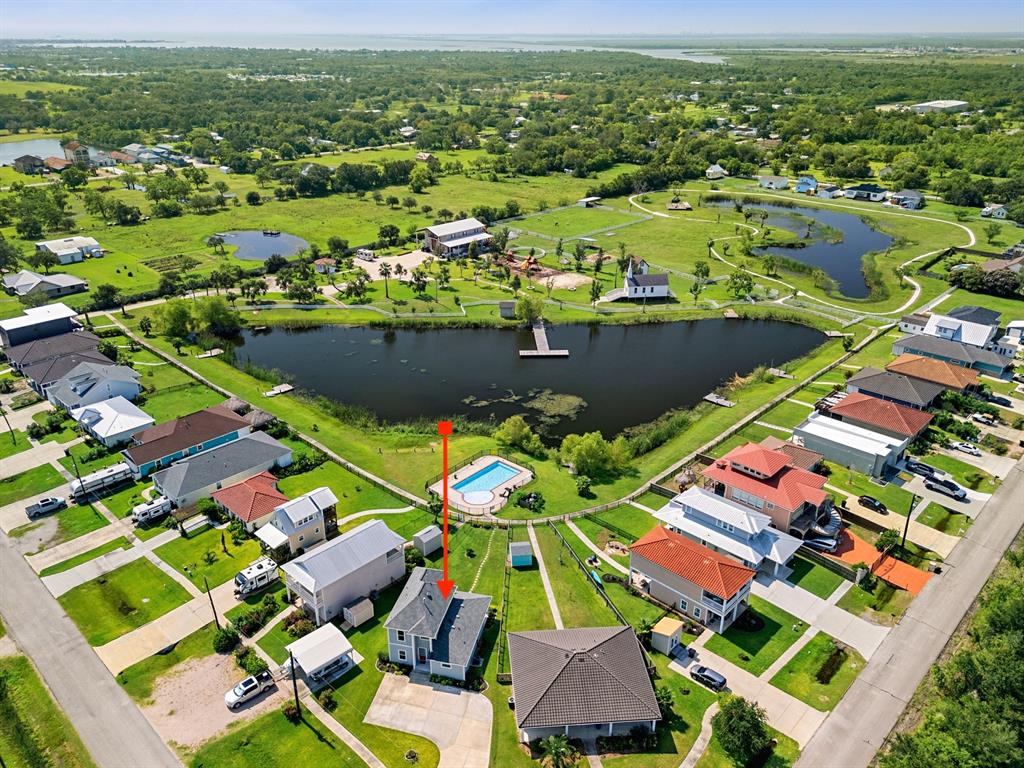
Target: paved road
(858, 726)
(112, 727)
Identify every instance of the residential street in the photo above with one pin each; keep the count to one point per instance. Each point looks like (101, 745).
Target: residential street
(111, 726)
(858, 726)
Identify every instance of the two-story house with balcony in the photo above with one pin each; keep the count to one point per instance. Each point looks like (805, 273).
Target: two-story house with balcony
(452, 239)
(364, 560)
(770, 482)
(301, 523)
(433, 633)
(693, 579)
(730, 528)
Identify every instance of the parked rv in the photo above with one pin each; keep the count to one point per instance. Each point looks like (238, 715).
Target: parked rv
(101, 480)
(256, 576)
(148, 511)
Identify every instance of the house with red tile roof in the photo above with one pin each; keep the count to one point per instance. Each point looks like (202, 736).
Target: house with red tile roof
(252, 501)
(771, 482)
(880, 415)
(693, 579)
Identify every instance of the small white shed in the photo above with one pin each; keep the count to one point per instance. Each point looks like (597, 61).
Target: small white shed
(358, 611)
(428, 540)
(666, 635)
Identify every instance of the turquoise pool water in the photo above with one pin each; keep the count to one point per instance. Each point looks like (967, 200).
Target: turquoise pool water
(486, 479)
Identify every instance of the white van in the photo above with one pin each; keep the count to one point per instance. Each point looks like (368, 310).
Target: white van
(151, 510)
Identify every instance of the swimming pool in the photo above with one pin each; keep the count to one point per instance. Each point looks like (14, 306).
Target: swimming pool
(486, 479)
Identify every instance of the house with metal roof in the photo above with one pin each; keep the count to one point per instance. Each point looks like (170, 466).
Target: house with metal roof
(869, 451)
(433, 633)
(91, 382)
(714, 172)
(170, 441)
(955, 352)
(879, 415)
(894, 387)
(252, 501)
(37, 323)
(732, 529)
(580, 683)
(452, 239)
(870, 192)
(190, 479)
(27, 283)
(322, 655)
(70, 250)
(356, 564)
(112, 421)
(693, 579)
(958, 329)
(303, 522)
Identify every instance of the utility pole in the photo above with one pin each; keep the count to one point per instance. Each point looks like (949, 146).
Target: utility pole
(206, 584)
(906, 525)
(295, 682)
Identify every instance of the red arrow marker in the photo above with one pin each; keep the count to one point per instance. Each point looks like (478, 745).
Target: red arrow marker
(444, 429)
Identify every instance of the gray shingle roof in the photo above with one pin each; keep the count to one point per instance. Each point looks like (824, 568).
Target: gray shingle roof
(896, 386)
(52, 346)
(338, 558)
(932, 346)
(651, 279)
(210, 467)
(973, 314)
(46, 372)
(84, 377)
(420, 609)
(456, 640)
(580, 676)
(520, 548)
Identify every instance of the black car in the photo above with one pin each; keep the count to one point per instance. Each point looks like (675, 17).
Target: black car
(920, 468)
(708, 677)
(872, 503)
(1000, 400)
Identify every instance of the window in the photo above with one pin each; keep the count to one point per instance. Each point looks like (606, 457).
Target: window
(682, 606)
(696, 611)
(401, 655)
(394, 554)
(724, 525)
(301, 537)
(445, 666)
(401, 636)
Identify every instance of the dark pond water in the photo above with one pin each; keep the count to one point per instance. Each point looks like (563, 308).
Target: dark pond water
(626, 374)
(842, 260)
(39, 147)
(253, 245)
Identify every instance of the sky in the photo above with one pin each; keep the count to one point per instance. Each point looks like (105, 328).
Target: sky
(187, 19)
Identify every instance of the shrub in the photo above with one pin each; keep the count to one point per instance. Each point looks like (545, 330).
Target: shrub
(212, 510)
(225, 639)
(297, 624)
(250, 661)
(583, 485)
(326, 699)
(291, 712)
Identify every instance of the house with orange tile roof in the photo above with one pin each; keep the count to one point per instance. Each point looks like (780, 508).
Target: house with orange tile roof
(699, 582)
(252, 501)
(954, 377)
(771, 482)
(879, 415)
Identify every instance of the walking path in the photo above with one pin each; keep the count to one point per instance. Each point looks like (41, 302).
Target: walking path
(701, 744)
(860, 723)
(373, 512)
(544, 578)
(594, 548)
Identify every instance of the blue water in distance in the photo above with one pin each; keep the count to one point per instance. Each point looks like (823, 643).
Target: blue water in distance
(487, 479)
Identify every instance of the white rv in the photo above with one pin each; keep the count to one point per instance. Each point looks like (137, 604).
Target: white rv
(101, 480)
(256, 576)
(151, 510)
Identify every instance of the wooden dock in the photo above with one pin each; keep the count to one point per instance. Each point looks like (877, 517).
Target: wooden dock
(778, 372)
(540, 339)
(713, 398)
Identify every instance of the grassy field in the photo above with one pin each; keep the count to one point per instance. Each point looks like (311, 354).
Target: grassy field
(208, 555)
(577, 599)
(119, 543)
(29, 483)
(271, 740)
(785, 754)
(755, 651)
(77, 520)
(139, 679)
(798, 677)
(883, 606)
(354, 494)
(815, 578)
(277, 589)
(1011, 309)
(34, 732)
(122, 600)
(20, 87)
(946, 520)
(172, 404)
(787, 413)
(855, 483)
(574, 222)
(12, 443)
(85, 467)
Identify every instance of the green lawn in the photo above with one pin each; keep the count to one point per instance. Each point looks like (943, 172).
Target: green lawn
(13, 442)
(946, 520)
(77, 520)
(762, 647)
(574, 222)
(119, 543)
(277, 589)
(29, 483)
(967, 475)
(815, 578)
(895, 498)
(798, 677)
(354, 494)
(68, 429)
(34, 732)
(139, 679)
(679, 729)
(1010, 308)
(577, 599)
(601, 535)
(652, 500)
(122, 600)
(85, 467)
(172, 404)
(271, 740)
(883, 606)
(634, 521)
(786, 753)
(120, 502)
(274, 642)
(787, 414)
(190, 555)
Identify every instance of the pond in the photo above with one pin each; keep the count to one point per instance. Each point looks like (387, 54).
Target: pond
(842, 260)
(254, 245)
(616, 375)
(43, 148)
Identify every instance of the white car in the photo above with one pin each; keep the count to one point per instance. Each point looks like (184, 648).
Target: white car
(983, 418)
(248, 689)
(968, 448)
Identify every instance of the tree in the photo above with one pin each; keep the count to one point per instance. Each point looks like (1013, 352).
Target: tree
(337, 246)
(695, 290)
(252, 197)
(701, 271)
(500, 239)
(740, 284)
(558, 752)
(106, 296)
(29, 228)
(516, 433)
(389, 234)
(887, 539)
(529, 308)
(197, 177)
(741, 729)
(385, 272)
(769, 264)
(591, 454)
(175, 319)
(146, 326)
(901, 274)
(991, 230)
(595, 291)
(420, 178)
(74, 178)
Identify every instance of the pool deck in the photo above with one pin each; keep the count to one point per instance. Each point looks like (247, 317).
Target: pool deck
(500, 492)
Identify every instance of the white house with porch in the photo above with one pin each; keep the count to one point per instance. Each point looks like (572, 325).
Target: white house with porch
(453, 239)
(640, 283)
(70, 250)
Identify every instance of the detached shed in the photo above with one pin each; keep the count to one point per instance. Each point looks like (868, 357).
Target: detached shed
(428, 541)
(358, 611)
(521, 554)
(507, 310)
(666, 635)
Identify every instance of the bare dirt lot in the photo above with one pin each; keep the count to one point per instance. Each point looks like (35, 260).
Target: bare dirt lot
(188, 704)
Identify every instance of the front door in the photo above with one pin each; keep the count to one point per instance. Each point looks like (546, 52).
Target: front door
(421, 655)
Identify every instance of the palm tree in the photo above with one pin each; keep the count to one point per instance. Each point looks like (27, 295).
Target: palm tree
(385, 272)
(558, 751)
(399, 271)
(769, 264)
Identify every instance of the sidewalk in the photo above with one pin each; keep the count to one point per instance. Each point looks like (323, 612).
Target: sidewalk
(594, 548)
(544, 578)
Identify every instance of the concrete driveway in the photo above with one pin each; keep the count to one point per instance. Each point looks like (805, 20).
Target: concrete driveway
(971, 506)
(13, 515)
(997, 466)
(458, 721)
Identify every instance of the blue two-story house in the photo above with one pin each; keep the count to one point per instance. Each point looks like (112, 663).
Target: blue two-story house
(806, 185)
(159, 446)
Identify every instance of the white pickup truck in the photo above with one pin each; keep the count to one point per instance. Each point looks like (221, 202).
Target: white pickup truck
(248, 689)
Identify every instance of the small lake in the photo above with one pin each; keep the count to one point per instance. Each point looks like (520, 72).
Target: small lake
(43, 148)
(626, 374)
(253, 245)
(843, 260)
